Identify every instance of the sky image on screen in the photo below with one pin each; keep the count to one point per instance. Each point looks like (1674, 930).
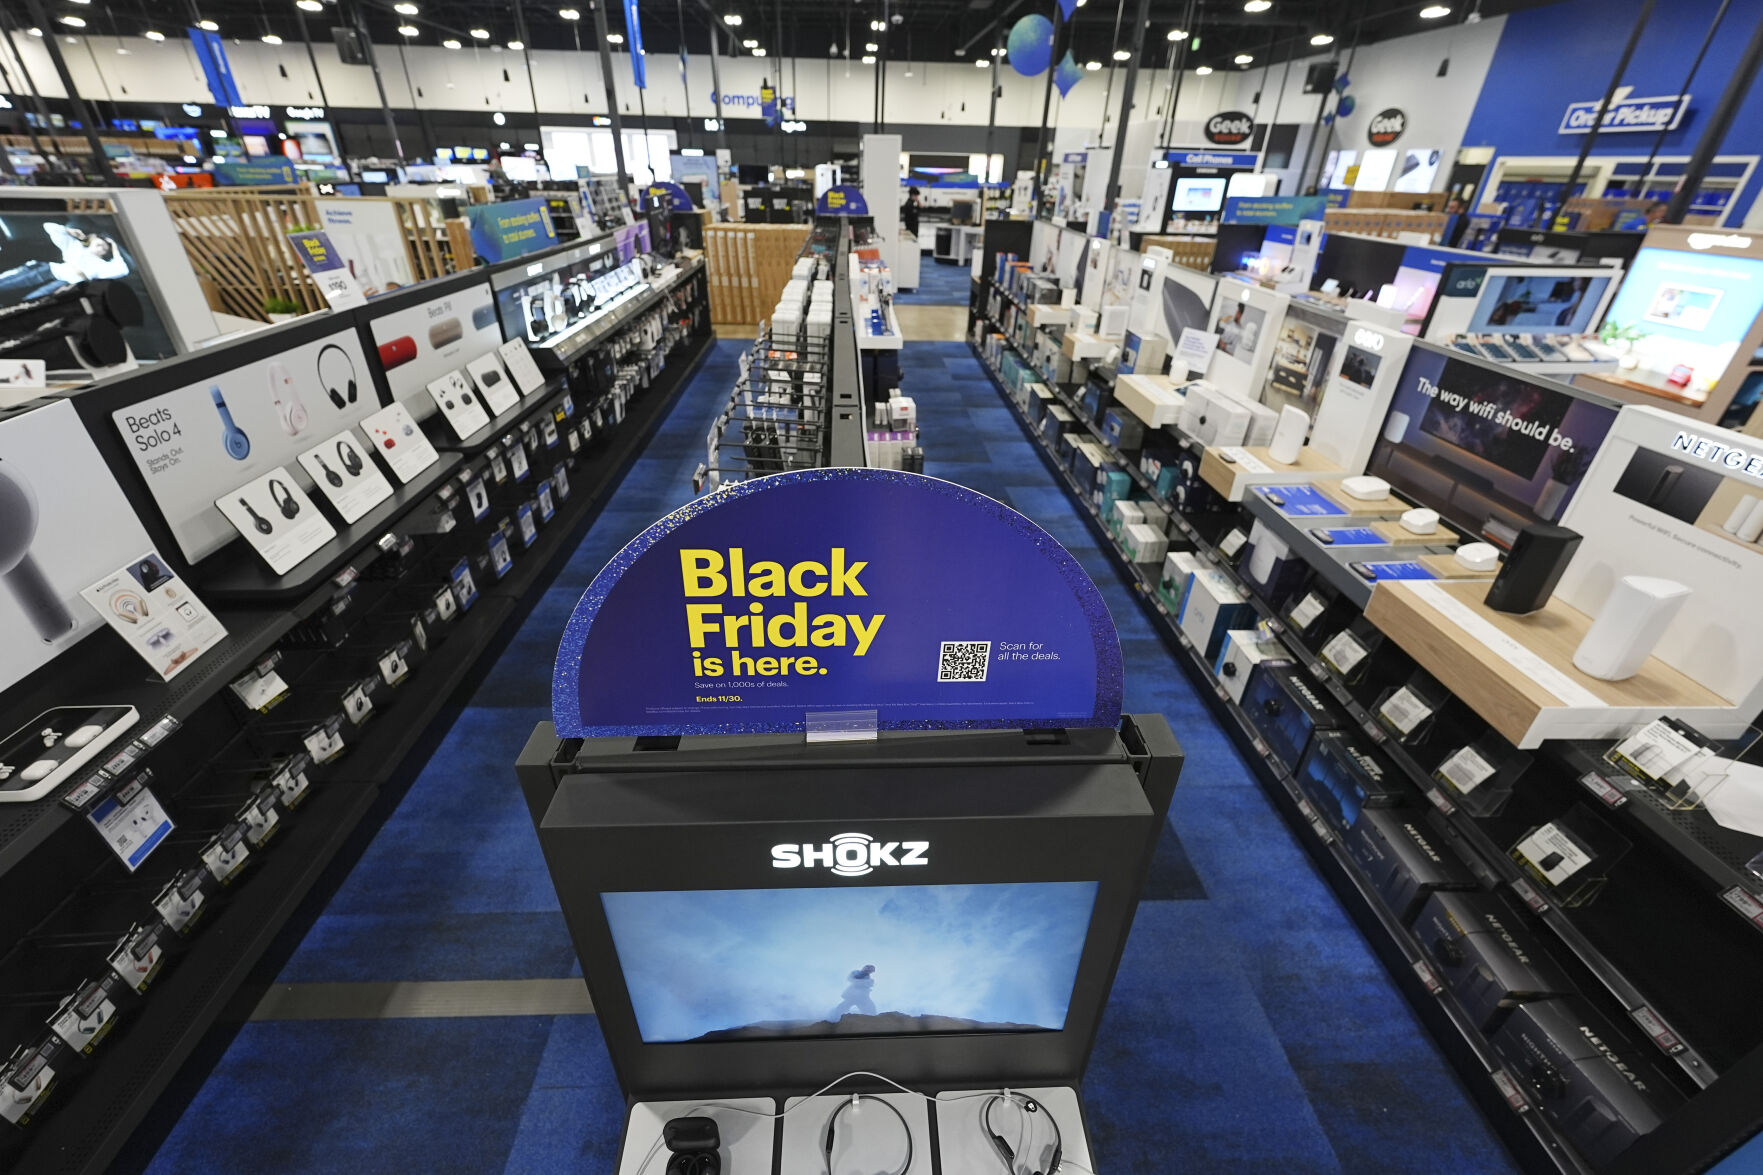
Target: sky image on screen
(1538, 305)
(770, 964)
(1486, 436)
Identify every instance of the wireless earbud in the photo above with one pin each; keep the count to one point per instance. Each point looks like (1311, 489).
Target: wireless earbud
(262, 524)
(343, 390)
(24, 579)
(283, 497)
(350, 458)
(330, 474)
(693, 1146)
(289, 411)
(238, 445)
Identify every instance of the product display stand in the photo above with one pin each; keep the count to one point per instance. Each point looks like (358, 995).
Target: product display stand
(1662, 955)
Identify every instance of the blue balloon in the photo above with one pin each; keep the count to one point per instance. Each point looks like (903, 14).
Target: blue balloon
(1068, 74)
(1346, 106)
(1030, 46)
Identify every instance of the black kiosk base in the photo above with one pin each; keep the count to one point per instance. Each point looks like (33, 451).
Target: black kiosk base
(760, 917)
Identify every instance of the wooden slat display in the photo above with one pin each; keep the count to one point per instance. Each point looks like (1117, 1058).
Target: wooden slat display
(748, 266)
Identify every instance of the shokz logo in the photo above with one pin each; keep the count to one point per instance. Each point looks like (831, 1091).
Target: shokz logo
(851, 854)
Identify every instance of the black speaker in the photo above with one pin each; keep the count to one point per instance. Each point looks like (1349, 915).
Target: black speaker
(352, 47)
(1528, 577)
(1319, 77)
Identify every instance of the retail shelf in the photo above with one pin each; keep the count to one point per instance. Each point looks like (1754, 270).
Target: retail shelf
(1394, 941)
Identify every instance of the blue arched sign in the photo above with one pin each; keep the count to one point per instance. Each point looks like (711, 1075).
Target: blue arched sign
(842, 200)
(829, 590)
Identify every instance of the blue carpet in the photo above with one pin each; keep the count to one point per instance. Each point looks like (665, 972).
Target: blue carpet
(939, 284)
(1250, 1029)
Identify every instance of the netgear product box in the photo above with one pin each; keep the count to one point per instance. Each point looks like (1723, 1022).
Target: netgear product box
(1342, 779)
(1243, 649)
(1485, 956)
(1584, 1075)
(1404, 863)
(1285, 709)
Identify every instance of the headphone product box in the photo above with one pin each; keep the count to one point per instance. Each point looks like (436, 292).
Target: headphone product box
(1488, 959)
(1583, 1074)
(1244, 648)
(1286, 710)
(1404, 863)
(1210, 607)
(1342, 779)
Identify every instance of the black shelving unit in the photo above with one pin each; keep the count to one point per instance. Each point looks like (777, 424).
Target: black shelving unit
(326, 629)
(1694, 874)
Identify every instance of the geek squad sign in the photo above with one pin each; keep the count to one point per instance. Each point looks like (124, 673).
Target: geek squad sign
(1230, 127)
(774, 602)
(1387, 127)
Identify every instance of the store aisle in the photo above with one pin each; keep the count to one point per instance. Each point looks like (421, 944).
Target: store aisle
(939, 283)
(1226, 1047)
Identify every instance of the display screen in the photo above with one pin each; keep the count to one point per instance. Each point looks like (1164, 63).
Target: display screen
(1201, 194)
(1302, 355)
(775, 964)
(1187, 300)
(1538, 305)
(1690, 309)
(1417, 171)
(1481, 444)
(1359, 366)
(42, 252)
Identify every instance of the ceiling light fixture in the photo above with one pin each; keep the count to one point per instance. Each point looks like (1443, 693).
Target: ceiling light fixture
(73, 22)
(450, 43)
(208, 26)
(569, 13)
(154, 35)
(876, 26)
(517, 46)
(1123, 55)
(615, 38)
(732, 20)
(1092, 66)
(1434, 11)
(998, 52)
(869, 47)
(1322, 39)
(499, 118)
(1244, 58)
(1257, 5)
(1177, 34)
(983, 63)
(309, 5)
(756, 53)
(270, 39)
(749, 43)
(405, 9)
(1204, 71)
(480, 34)
(408, 30)
(869, 59)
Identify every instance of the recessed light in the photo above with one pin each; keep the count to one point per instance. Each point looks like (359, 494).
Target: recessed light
(517, 46)
(1204, 70)
(1434, 11)
(615, 38)
(869, 47)
(1177, 34)
(154, 35)
(1322, 39)
(409, 30)
(208, 26)
(756, 53)
(450, 43)
(1123, 55)
(270, 39)
(34, 31)
(868, 59)
(876, 26)
(1244, 58)
(1092, 66)
(73, 22)
(983, 63)
(1257, 5)
(733, 20)
(569, 13)
(480, 34)
(309, 5)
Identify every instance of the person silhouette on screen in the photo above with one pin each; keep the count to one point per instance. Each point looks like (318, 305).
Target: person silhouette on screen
(856, 997)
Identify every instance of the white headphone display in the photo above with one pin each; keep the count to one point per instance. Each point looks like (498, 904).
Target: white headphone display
(24, 578)
(289, 412)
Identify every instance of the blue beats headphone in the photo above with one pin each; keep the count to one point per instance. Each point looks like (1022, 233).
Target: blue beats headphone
(238, 445)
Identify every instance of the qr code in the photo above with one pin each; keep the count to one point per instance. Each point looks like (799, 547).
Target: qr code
(964, 660)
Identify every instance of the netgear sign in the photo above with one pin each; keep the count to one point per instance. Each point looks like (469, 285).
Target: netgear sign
(1627, 114)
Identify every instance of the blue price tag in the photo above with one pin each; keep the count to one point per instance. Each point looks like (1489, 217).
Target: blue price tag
(1298, 501)
(1350, 536)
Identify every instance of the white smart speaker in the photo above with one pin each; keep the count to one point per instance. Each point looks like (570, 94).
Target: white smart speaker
(1395, 427)
(1636, 615)
(1735, 521)
(1752, 527)
(1289, 434)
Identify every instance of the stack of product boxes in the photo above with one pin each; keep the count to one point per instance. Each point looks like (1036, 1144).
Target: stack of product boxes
(747, 265)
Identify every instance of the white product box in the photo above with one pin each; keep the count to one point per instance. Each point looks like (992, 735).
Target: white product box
(1154, 399)
(1145, 543)
(1209, 608)
(1244, 648)
(1126, 513)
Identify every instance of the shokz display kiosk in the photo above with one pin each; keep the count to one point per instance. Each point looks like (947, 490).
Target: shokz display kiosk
(804, 843)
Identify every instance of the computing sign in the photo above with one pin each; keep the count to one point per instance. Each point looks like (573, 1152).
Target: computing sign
(820, 598)
(1625, 114)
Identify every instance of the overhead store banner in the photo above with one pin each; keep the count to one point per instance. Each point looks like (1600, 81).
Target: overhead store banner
(510, 229)
(211, 55)
(866, 596)
(633, 27)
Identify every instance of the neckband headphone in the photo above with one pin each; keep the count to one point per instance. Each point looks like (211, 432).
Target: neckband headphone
(1025, 1105)
(832, 1123)
(238, 445)
(283, 497)
(350, 458)
(343, 391)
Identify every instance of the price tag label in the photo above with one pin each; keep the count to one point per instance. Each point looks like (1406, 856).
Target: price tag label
(131, 822)
(393, 667)
(1748, 905)
(1656, 1029)
(1439, 801)
(1510, 1090)
(357, 705)
(1603, 789)
(1530, 896)
(1427, 977)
